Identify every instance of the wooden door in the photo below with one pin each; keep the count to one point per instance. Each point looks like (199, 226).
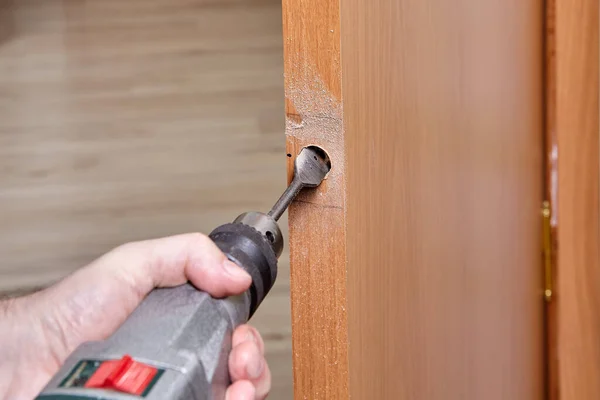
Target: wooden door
(416, 266)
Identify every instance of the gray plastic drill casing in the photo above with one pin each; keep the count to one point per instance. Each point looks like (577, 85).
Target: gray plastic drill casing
(182, 330)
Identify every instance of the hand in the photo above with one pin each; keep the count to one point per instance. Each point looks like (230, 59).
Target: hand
(39, 331)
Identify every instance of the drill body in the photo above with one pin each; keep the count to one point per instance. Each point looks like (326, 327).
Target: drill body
(176, 344)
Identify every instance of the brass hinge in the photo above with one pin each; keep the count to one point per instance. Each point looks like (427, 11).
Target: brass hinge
(547, 249)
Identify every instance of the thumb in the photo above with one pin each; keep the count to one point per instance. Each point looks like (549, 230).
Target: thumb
(94, 301)
(173, 261)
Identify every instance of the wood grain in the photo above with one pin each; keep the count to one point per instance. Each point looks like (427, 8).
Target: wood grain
(431, 214)
(311, 34)
(577, 295)
(127, 120)
(441, 198)
(443, 136)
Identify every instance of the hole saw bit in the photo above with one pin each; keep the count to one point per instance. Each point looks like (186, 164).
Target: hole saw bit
(176, 344)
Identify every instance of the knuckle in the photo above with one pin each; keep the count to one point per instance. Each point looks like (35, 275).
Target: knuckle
(203, 250)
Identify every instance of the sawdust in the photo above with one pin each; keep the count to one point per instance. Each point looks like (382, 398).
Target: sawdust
(318, 122)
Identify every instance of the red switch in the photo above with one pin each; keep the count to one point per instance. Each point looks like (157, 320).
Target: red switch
(124, 375)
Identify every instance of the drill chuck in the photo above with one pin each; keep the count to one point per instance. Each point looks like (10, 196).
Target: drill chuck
(254, 242)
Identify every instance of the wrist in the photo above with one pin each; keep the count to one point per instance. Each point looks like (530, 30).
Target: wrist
(28, 355)
(11, 350)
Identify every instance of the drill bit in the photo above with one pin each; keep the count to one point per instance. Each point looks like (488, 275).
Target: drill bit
(310, 168)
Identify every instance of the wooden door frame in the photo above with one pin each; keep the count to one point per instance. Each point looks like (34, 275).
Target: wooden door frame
(573, 185)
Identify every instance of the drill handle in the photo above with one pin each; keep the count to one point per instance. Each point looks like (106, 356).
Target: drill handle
(181, 335)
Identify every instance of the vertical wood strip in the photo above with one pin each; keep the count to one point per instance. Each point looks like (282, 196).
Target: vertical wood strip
(311, 32)
(577, 296)
(551, 356)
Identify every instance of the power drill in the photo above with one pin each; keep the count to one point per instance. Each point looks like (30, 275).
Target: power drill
(176, 344)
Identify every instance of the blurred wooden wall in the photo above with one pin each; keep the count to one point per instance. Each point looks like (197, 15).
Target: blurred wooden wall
(126, 120)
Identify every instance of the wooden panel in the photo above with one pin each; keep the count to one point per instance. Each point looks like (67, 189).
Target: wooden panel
(577, 294)
(431, 214)
(442, 113)
(317, 219)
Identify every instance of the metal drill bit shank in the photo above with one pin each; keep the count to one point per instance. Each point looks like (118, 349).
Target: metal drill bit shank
(310, 168)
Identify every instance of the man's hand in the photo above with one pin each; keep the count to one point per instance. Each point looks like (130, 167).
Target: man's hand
(39, 331)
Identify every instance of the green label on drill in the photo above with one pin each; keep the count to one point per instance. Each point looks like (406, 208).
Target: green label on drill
(80, 374)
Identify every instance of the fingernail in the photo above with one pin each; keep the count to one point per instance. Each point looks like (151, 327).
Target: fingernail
(250, 336)
(234, 271)
(255, 368)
